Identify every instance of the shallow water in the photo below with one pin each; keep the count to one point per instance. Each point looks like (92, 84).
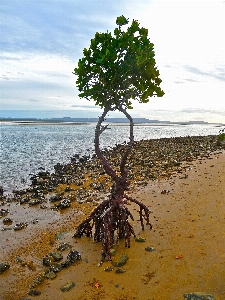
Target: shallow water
(27, 148)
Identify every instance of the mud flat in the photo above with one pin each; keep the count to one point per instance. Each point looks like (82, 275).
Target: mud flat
(183, 253)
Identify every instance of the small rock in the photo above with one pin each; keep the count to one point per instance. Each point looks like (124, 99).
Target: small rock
(123, 261)
(120, 271)
(54, 267)
(56, 255)
(50, 275)
(149, 249)
(68, 286)
(73, 256)
(198, 296)
(140, 240)
(64, 246)
(34, 293)
(7, 221)
(112, 251)
(108, 269)
(4, 267)
(48, 260)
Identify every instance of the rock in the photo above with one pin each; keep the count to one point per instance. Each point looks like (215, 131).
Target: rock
(56, 255)
(38, 280)
(68, 286)
(140, 240)
(122, 262)
(64, 246)
(198, 296)
(4, 267)
(149, 249)
(112, 251)
(120, 271)
(48, 260)
(34, 293)
(73, 256)
(7, 221)
(50, 275)
(108, 269)
(20, 226)
(54, 267)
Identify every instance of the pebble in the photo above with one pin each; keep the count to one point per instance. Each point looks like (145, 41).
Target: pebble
(198, 296)
(67, 286)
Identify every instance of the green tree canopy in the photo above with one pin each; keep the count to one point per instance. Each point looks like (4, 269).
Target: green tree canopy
(118, 68)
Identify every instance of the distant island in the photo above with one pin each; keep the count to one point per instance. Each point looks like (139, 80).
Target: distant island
(69, 120)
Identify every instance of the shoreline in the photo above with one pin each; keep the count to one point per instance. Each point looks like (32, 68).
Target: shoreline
(187, 223)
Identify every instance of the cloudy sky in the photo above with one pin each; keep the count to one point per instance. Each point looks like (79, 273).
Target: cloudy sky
(41, 42)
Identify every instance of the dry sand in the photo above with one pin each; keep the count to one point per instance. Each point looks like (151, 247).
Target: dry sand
(188, 238)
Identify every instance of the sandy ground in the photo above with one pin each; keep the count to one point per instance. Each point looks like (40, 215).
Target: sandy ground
(188, 238)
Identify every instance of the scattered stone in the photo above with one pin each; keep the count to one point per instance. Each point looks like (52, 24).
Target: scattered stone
(112, 251)
(73, 256)
(108, 269)
(54, 267)
(50, 275)
(149, 249)
(20, 226)
(122, 262)
(34, 293)
(140, 240)
(120, 271)
(48, 260)
(4, 267)
(56, 255)
(64, 246)
(30, 265)
(198, 296)
(3, 212)
(7, 221)
(68, 286)
(38, 280)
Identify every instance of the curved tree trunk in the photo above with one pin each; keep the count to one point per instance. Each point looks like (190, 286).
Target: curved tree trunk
(112, 215)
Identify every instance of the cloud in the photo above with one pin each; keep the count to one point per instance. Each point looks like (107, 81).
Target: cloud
(197, 71)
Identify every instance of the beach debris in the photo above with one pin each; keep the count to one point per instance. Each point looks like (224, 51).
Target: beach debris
(97, 285)
(34, 293)
(4, 267)
(149, 249)
(198, 296)
(179, 256)
(123, 260)
(67, 286)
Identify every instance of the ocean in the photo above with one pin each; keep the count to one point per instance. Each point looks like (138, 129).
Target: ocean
(27, 149)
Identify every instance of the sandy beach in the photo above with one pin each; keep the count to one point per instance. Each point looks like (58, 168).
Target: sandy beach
(187, 243)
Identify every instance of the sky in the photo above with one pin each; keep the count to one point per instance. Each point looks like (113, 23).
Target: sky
(42, 41)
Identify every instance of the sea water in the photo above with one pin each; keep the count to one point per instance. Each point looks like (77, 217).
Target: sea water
(25, 149)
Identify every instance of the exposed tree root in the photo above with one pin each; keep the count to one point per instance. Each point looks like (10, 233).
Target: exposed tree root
(109, 220)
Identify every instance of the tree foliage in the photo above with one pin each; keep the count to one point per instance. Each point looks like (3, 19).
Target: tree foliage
(119, 67)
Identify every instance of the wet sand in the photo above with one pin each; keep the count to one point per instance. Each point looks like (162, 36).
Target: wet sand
(188, 238)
